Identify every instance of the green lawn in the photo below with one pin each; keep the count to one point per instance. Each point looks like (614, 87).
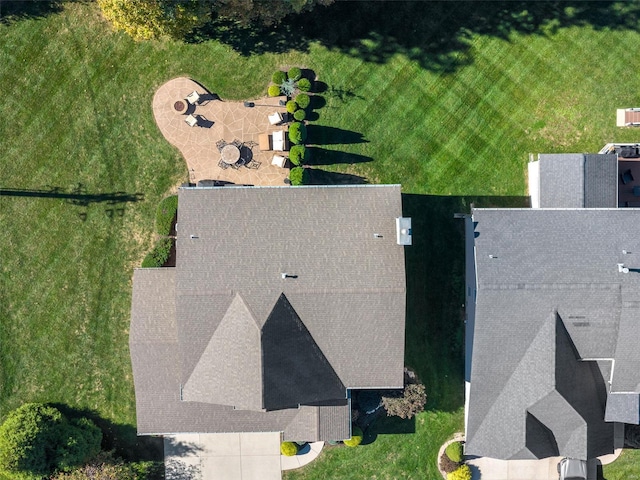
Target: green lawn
(452, 121)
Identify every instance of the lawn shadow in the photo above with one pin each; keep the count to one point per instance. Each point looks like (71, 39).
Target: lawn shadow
(75, 196)
(321, 156)
(121, 438)
(323, 177)
(323, 135)
(13, 11)
(437, 35)
(434, 337)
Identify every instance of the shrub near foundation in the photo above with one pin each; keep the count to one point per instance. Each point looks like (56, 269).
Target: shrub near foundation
(166, 214)
(454, 451)
(463, 472)
(288, 449)
(356, 437)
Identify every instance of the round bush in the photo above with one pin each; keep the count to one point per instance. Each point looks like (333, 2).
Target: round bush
(274, 91)
(356, 437)
(454, 451)
(291, 106)
(288, 449)
(304, 85)
(463, 472)
(297, 132)
(297, 154)
(294, 74)
(297, 176)
(303, 100)
(278, 77)
(300, 115)
(166, 214)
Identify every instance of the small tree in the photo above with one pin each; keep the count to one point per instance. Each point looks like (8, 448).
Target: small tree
(294, 74)
(463, 472)
(291, 106)
(298, 154)
(407, 402)
(303, 100)
(274, 90)
(356, 437)
(304, 85)
(297, 132)
(278, 77)
(36, 439)
(299, 115)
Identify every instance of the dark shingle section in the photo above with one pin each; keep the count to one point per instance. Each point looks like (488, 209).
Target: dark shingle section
(575, 180)
(535, 268)
(600, 181)
(295, 371)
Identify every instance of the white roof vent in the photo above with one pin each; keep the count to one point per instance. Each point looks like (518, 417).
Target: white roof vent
(403, 230)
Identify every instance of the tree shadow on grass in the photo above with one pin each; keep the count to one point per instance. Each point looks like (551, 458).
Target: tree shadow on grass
(434, 338)
(323, 177)
(121, 438)
(13, 11)
(436, 34)
(320, 156)
(323, 135)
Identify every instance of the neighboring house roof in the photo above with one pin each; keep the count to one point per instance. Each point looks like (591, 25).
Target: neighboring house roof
(576, 180)
(554, 319)
(249, 344)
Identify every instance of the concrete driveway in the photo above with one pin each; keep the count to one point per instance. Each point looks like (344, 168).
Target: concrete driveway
(222, 456)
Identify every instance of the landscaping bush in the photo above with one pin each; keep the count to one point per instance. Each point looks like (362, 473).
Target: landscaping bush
(463, 472)
(299, 115)
(297, 132)
(159, 255)
(291, 106)
(298, 176)
(356, 437)
(166, 214)
(278, 77)
(454, 451)
(37, 439)
(107, 467)
(447, 465)
(298, 154)
(304, 85)
(288, 449)
(294, 74)
(408, 402)
(274, 91)
(303, 100)
(288, 87)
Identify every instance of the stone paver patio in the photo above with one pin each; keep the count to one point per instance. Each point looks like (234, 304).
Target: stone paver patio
(223, 121)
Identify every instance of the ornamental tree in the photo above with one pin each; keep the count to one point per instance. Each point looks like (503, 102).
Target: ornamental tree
(408, 402)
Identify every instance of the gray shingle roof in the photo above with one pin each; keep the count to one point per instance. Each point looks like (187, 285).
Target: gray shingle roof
(346, 292)
(576, 180)
(549, 293)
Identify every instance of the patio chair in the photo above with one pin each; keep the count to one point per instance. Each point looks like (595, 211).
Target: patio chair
(191, 120)
(253, 165)
(237, 143)
(627, 177)
(279, 140)
(193, 98)
(223, 165)
(220, 144)
(279, 161)
(275, 118)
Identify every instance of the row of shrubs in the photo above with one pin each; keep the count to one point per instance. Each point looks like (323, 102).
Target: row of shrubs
(285, 83)
(452, 463)
(165, 220)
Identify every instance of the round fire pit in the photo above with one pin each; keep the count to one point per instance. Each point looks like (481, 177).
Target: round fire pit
(180, 106)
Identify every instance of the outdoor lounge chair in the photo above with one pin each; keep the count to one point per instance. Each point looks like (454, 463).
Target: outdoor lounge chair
(627, 177)
(279, 161)
(275, 118)
(193, 98)
(191, 121)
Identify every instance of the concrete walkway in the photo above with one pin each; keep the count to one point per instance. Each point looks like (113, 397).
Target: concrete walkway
(304, 457)
(223, 456)
(223, 121)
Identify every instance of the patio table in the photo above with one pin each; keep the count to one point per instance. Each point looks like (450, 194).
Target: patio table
(230, 154)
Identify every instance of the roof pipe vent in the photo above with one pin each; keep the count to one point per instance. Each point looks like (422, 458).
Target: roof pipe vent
(622, 268)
